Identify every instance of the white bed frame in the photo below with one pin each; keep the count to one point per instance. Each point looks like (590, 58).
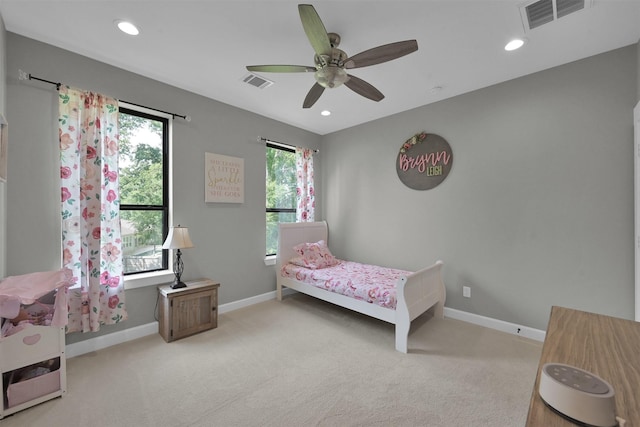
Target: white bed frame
(416, 293)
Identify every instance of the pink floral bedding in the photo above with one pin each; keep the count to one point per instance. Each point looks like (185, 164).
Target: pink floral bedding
(365, 282)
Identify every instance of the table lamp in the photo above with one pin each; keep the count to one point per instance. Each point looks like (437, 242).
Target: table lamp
(178, 238)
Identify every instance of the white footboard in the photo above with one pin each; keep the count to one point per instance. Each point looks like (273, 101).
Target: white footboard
(416, 294)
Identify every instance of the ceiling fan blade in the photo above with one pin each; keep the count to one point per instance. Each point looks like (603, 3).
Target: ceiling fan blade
(282, 68)
(313, 95)
(380, 54)
(314, 28)
(363, 88)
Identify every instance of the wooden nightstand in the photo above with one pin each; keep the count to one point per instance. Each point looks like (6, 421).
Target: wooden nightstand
(187, 311)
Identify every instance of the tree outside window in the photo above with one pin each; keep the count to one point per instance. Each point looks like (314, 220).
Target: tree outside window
(144, 189)
(280, 191)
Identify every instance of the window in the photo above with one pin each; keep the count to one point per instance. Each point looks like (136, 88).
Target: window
(144, 189)
(281, 191)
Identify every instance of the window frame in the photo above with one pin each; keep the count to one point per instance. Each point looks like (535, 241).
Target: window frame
(281, 147)
(165, 207)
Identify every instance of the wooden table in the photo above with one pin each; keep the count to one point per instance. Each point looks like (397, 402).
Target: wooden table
(607, 346)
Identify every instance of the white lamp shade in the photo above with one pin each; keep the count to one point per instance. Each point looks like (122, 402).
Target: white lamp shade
(178, 238)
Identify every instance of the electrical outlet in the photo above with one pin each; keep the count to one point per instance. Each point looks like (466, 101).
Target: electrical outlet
(466, 291)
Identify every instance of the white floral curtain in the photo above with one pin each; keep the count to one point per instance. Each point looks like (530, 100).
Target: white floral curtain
(91, 240)
(305, 197)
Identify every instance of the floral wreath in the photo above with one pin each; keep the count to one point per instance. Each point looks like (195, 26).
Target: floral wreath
(415, 139)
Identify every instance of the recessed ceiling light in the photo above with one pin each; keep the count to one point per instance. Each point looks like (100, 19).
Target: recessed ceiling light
(325, 113)
(128, 28)
(514, 44)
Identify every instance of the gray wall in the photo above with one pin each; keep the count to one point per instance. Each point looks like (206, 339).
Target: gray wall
(229, 239)
(3, 186)
(538, 207)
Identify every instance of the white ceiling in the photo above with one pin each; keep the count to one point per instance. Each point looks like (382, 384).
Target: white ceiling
(203, 46)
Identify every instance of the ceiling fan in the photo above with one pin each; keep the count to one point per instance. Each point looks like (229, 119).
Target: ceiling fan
(331, 62)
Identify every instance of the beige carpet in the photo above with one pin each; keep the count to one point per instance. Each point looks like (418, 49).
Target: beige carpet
(300, 362)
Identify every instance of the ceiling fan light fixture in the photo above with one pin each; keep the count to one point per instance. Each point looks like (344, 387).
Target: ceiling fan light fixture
(325, 113)
(331, 77)
(127, 27)
(330, 62)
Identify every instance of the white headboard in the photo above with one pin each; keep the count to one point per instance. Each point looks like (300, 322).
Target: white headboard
(293, 233)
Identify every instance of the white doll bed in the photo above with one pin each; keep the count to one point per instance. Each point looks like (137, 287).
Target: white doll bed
(416, 293)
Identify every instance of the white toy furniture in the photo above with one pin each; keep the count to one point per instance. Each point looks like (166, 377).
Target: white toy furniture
(33, 309)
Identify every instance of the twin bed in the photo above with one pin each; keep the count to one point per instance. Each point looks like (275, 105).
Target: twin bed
(304, 263)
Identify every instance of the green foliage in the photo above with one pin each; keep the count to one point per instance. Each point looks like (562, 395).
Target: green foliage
(273, 219)
(141, 184)
(280, 192)
(281, 179)
(141, 175)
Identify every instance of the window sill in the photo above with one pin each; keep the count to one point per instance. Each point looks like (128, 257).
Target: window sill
(270, 260)
(148, 279)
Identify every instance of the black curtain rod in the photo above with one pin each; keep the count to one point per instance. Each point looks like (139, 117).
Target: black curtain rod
(186, 117)
(267, 140)
(58, 84)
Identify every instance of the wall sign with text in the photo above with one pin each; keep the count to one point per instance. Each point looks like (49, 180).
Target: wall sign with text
(424, 161)
(223, 179)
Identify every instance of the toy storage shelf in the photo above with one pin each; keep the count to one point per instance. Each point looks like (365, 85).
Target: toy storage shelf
(23, 353)
(33, 317)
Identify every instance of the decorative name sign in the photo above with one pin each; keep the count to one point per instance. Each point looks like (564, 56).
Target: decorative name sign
(424, 161)
(223, 179)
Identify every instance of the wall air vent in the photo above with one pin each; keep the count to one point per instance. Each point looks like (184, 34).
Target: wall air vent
(257, 81)
(540, 12)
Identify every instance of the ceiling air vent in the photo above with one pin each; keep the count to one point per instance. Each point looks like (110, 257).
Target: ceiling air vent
(565, 7)
(537, 13)
(257, 81)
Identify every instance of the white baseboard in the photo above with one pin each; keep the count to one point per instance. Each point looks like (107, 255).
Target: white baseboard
(224, 308)
(104, 341)
(500, 325)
